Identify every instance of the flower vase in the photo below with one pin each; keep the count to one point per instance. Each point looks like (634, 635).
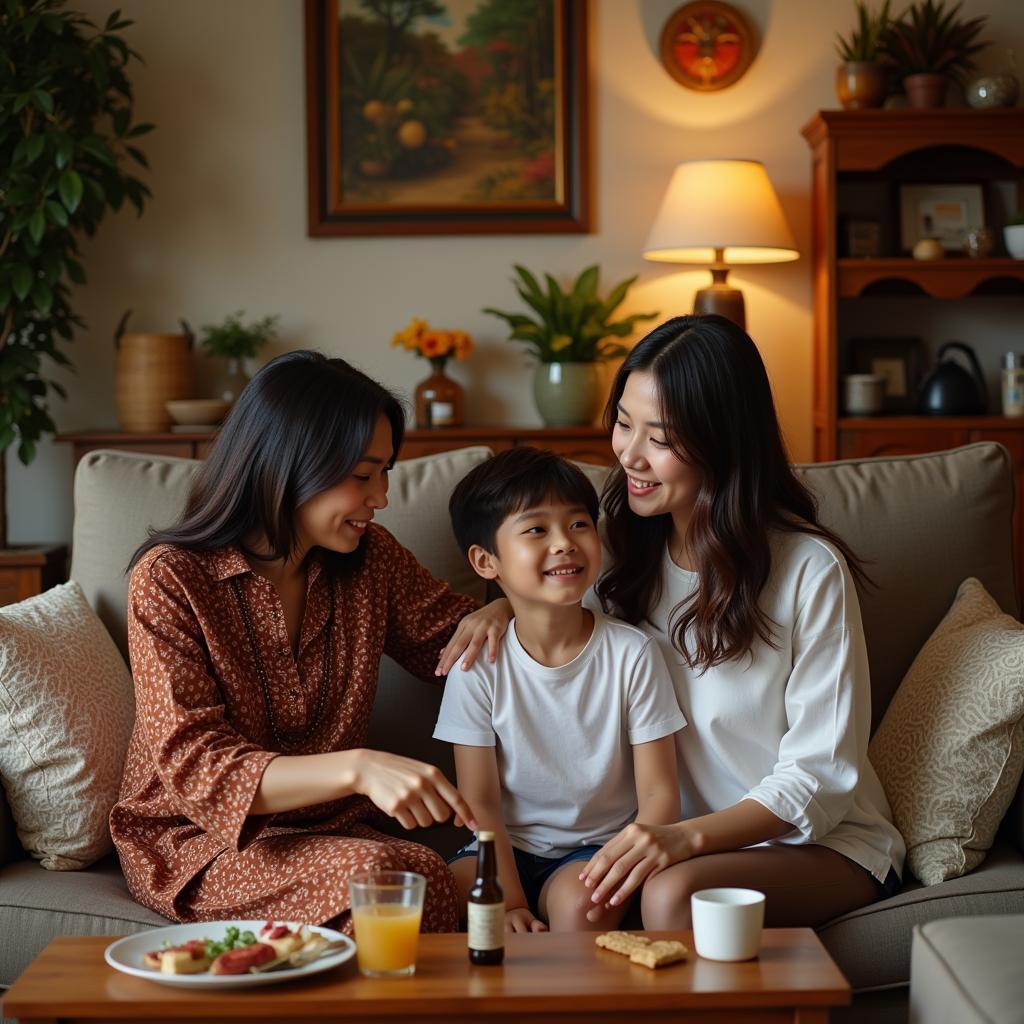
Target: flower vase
(230, 381)
(439, 399)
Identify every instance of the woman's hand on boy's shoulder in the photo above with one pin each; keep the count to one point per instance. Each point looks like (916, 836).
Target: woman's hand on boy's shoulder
(486, 625)
(521, 919)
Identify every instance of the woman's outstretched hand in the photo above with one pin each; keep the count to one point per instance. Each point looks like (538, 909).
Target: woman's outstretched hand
(624, 863)
(414, 793)
(485, 625)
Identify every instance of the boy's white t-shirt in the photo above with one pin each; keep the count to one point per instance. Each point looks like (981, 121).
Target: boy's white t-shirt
(564, 735)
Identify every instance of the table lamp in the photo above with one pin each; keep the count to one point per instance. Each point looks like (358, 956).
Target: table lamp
(720, 213)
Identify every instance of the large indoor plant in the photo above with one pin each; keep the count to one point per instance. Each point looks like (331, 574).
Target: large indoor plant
(67, 136)
(930, 45)
(861, 75)
(569, 337)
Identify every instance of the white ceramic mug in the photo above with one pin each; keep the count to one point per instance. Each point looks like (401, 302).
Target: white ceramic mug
(727, 923)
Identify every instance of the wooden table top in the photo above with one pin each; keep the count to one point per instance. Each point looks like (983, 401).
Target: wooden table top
(544, 976)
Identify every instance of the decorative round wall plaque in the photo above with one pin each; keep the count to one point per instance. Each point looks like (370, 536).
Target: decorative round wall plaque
(707, 45)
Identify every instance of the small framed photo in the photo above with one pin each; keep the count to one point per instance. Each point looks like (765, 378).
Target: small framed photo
(900, 361)
(943, 212)
(864, 238)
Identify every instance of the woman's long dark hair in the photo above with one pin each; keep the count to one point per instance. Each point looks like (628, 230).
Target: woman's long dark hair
(299, 427)
(717, 406)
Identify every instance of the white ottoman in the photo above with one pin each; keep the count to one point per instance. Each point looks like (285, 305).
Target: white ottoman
(967, 969)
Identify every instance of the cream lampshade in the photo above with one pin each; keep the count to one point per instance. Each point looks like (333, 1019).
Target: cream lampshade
(720, 213)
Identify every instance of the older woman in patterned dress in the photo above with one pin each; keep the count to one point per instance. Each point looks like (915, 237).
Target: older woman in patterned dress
(256, 628)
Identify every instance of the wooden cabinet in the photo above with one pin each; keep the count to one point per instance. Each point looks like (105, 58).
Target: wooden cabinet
(860, 161)
(25, 572)
(584, 444)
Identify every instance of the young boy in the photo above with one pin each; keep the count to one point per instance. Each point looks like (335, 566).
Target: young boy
(568, 736)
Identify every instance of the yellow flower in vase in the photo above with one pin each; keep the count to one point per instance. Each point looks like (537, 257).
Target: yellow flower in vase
(439, 399)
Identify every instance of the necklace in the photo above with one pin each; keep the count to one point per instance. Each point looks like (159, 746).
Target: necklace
(295, 736)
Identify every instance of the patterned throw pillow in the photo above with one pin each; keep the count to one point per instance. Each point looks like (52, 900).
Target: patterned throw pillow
(66, 713)
(950, 748)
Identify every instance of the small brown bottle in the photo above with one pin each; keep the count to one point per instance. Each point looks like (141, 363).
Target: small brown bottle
(486, 911)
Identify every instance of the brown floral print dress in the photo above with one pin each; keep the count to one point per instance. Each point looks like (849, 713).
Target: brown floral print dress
(209, 721)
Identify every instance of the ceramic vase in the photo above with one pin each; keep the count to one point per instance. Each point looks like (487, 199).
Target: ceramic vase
(439, 399)
(230, 380)
(999, 90)
(860, 84)
(568, 394)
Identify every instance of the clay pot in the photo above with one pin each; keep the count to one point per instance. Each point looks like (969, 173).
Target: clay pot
(925, 92)
(860, 84)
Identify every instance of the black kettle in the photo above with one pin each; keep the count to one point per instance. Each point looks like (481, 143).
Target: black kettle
(950, 390)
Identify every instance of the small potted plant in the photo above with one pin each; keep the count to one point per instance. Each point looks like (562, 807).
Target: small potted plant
(861, 77)
(930, 45)
(569, 337)
(234, 341)
(1013, 236)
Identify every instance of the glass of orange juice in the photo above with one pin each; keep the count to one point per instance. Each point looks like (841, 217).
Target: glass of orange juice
(386, 910)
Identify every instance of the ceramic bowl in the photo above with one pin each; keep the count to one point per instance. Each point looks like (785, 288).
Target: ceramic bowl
(1013, 235)
(197, 412)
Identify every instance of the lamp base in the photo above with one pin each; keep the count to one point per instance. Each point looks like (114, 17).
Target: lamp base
(722, 299)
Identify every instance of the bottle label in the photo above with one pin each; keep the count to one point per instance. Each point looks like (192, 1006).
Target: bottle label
(486, 925)
(442, 414)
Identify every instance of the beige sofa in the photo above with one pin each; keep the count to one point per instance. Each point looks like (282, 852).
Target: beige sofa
(922, 523)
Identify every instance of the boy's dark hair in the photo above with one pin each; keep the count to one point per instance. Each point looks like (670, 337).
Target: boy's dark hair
(513, 481)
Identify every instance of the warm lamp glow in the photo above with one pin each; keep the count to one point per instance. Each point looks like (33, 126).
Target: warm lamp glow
(726, 205)
(720, 213)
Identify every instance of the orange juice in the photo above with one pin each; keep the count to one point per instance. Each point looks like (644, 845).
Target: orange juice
(387, 935)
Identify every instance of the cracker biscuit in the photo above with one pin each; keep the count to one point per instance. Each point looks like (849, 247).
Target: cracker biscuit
(642, 950)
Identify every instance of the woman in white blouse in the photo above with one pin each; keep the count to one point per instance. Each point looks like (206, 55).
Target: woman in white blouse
(717, 552)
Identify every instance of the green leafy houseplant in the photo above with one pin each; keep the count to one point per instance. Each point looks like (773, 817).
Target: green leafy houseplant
(66, 138)
(866, 41)
(570, 327)
(233, 339)
(929, 38)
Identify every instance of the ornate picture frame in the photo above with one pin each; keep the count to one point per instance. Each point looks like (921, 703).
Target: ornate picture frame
(463, 117)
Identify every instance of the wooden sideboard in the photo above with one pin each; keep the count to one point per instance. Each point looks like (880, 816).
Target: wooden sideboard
(584, 444)
(27, 571)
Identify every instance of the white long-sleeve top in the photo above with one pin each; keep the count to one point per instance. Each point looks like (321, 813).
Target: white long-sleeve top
(787, 726)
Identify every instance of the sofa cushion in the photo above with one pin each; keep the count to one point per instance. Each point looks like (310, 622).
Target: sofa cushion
(66, 714)
(37, 905)
(950, 749)
(871, 945)
(967, 971)
(922, 524)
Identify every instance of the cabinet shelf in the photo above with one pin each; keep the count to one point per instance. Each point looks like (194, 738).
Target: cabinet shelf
(860, 161)
(951, 278)
(913, 422)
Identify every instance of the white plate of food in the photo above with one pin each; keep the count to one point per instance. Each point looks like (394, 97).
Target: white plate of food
(230, 954)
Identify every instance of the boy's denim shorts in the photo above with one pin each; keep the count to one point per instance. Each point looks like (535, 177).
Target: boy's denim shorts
(533, 870)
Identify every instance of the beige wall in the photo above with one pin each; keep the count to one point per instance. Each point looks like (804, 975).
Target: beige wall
(224, 83)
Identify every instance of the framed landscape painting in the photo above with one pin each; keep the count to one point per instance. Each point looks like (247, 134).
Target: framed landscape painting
(447, 116)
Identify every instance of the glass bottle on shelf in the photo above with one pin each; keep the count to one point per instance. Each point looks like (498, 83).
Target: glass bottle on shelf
(439, 399)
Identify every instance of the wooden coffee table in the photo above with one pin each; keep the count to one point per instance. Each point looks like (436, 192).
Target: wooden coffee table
(546, 978)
